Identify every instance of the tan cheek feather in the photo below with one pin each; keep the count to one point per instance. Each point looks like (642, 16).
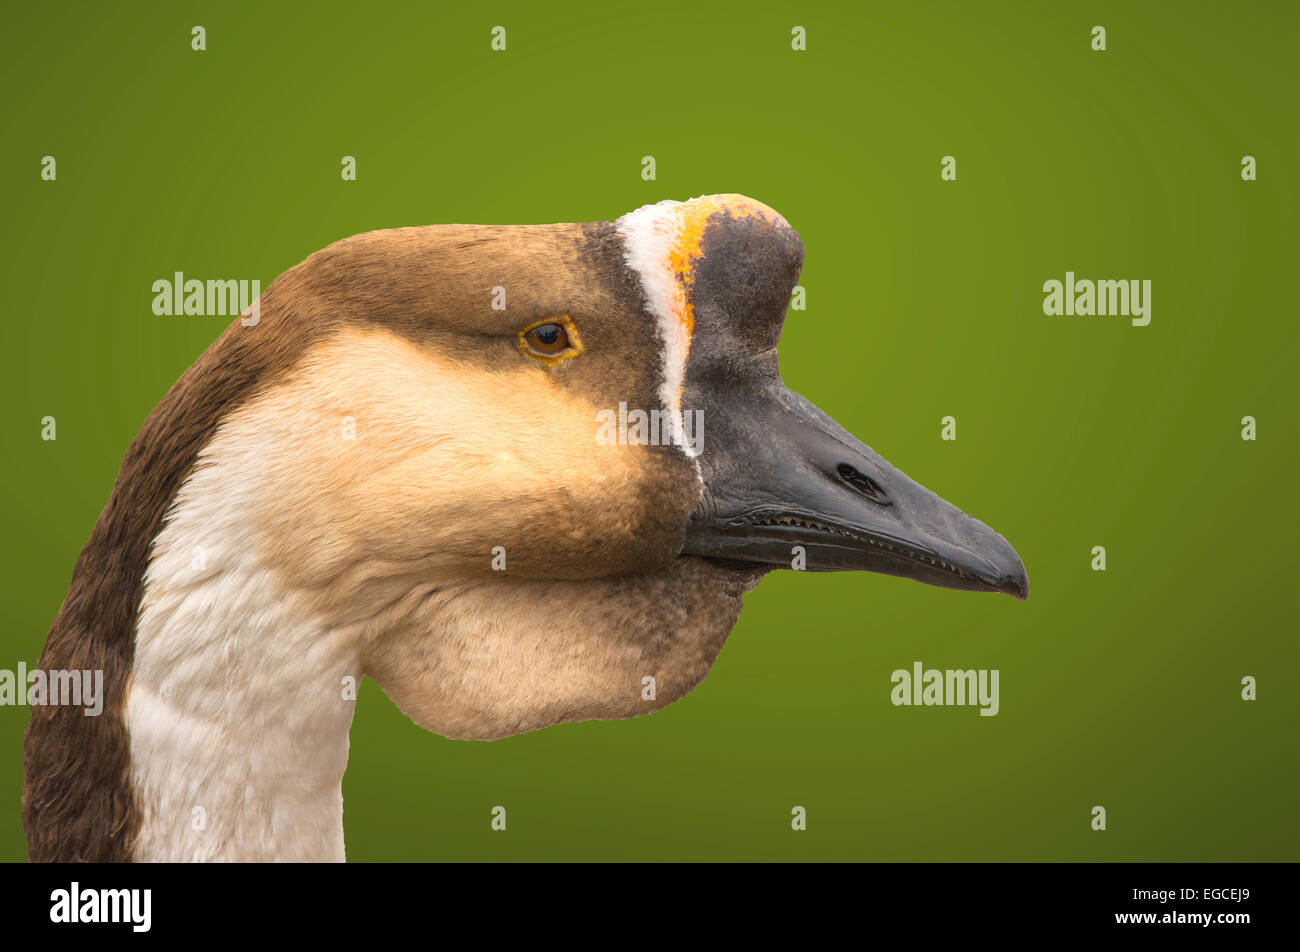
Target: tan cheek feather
(369, 485)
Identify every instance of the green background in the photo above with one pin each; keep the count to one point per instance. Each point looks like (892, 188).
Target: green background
(1119, 688)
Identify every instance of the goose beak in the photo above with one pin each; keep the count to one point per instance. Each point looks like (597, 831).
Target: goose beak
(780, 475)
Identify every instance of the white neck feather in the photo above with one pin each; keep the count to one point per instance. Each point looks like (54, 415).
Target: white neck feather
(236, 710)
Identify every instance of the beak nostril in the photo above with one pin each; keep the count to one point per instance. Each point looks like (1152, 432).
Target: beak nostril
(863, 484)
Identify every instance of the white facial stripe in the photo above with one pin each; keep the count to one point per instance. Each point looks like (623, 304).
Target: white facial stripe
(650, 236)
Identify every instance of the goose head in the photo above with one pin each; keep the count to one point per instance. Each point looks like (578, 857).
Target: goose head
(516, 475)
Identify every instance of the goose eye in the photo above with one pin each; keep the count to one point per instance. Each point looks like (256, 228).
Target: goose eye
(548, 339)
(551, 341)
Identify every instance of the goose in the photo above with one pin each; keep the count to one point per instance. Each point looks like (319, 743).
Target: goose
(395, 472)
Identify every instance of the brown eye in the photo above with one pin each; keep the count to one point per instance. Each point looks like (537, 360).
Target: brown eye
(548, 339)
(551, 341)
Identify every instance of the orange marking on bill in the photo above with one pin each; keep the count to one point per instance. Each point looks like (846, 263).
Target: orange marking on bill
(693, 220)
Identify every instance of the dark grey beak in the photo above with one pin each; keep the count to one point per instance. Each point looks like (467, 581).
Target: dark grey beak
(780, 474)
